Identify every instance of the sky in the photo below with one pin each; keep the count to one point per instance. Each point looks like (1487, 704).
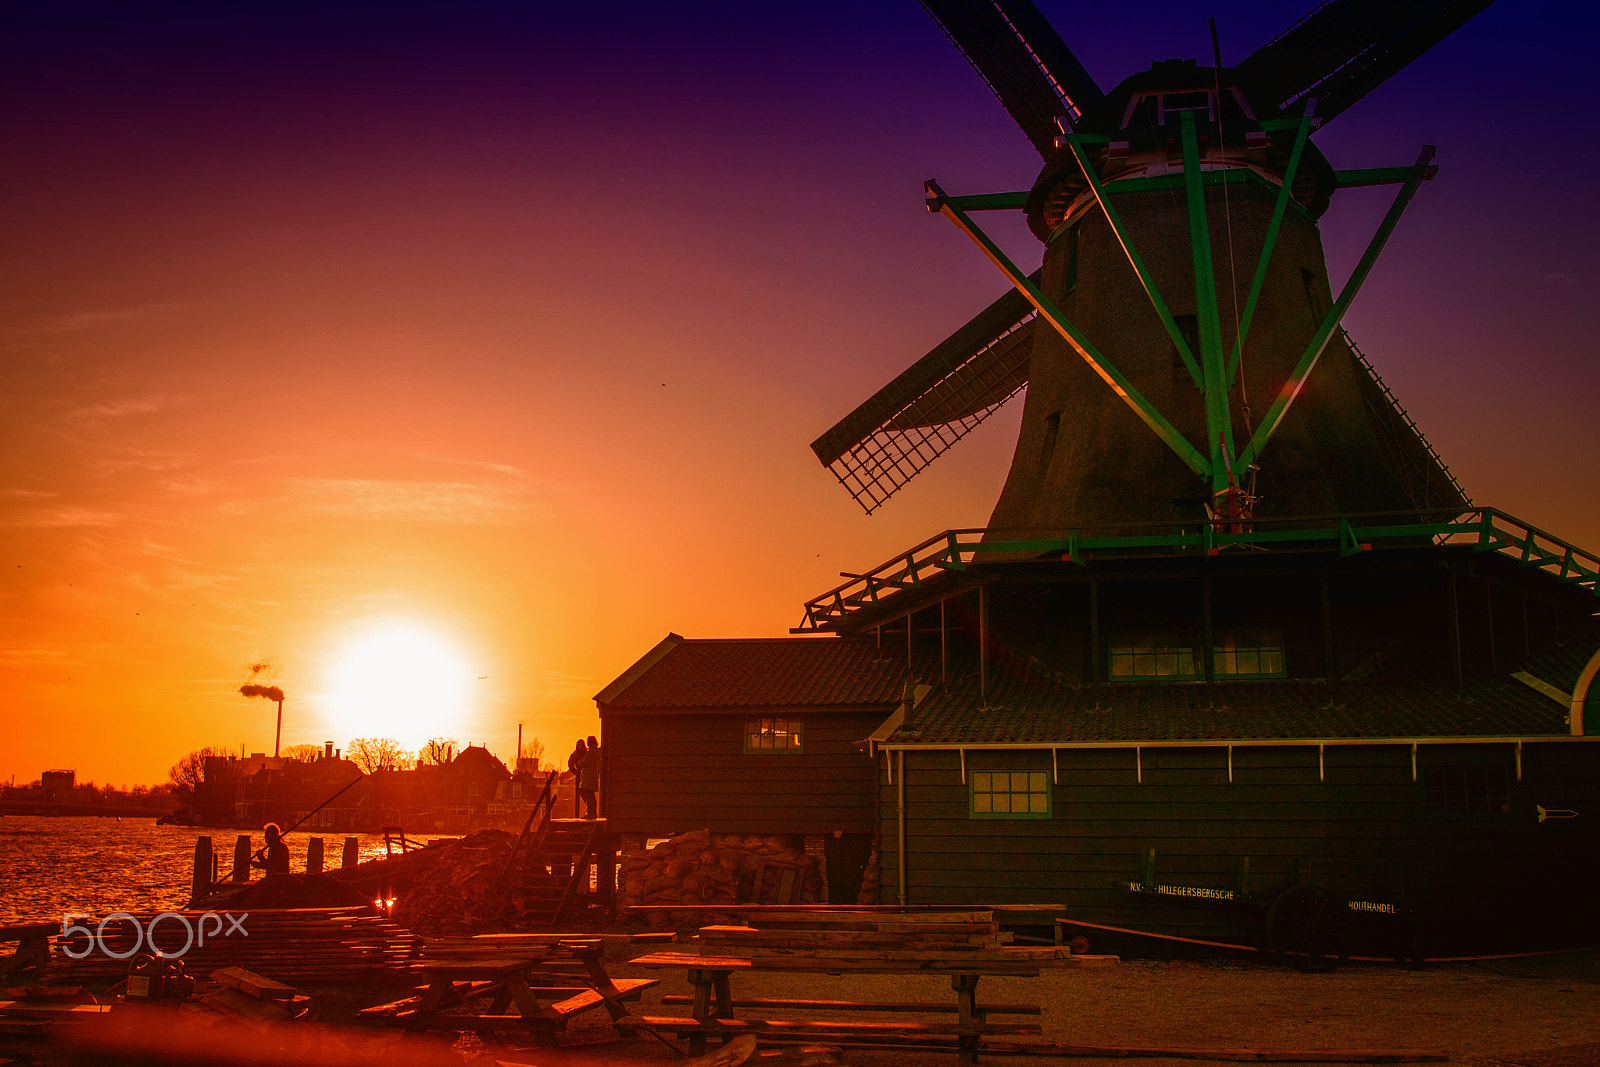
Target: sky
(439, 359)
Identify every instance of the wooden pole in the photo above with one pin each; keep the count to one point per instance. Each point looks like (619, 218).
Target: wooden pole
(200, 879)
(1488, 603)
(1455, 631)
(314, 855)
(241, 859)
(944, 645)
(1094, 630)
(352, 852)
(1330, 666)
(983, 646)
(900, 817)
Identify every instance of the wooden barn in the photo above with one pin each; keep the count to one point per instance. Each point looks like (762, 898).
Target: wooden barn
(758, 736)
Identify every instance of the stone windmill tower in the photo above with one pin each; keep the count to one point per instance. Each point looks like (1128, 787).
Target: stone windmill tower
(1181, 344)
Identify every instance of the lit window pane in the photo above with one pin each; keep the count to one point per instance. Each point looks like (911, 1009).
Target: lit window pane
(981, 803)
(1038, 803)
(1002, 802)
(1036, 782)
(980, 781)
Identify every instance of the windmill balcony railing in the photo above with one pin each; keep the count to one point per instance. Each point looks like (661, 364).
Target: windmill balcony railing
(1481, 529)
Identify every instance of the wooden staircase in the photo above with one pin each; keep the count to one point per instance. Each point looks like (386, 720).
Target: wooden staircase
(567, 849)
(559, 856)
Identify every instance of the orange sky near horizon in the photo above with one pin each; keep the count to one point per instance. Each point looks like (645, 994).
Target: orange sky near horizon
(517, 331)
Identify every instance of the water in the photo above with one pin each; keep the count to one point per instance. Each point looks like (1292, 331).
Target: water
(49, 866)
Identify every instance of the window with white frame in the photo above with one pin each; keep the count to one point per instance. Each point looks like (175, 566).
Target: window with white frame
(1010, 795)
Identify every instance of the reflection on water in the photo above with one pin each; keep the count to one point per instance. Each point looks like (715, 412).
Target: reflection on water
(49, 866)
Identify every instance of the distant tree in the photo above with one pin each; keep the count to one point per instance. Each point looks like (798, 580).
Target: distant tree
(373, 754)
(303, 753)
(211, 793)
(533, 749)
(438, 750)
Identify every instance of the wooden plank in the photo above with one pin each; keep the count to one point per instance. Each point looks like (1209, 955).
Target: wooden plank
(858, 1005)
(479, 1023)
(1285, 1055)
(624, 989)
(252, 983)
(28, 931)
(817, 1028)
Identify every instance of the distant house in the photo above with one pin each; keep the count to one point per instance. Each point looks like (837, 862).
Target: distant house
(464, 793)
(329, 793)
(757, 736)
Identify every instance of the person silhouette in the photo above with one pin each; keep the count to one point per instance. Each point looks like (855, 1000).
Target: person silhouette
(273, 857)
(589, 777)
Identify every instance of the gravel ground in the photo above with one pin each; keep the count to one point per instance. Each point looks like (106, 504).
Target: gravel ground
(1542, 1012)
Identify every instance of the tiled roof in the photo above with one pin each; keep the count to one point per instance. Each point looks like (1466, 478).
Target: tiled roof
(1562, 661)
(760, 672)
(1026, 706)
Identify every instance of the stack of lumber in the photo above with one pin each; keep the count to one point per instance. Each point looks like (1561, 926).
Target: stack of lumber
(302, 945)
(970, 935)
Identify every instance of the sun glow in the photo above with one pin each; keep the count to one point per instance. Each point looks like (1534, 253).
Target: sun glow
(399, 680)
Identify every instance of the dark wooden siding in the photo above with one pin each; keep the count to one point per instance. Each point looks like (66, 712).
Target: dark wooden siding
(1365, 832)
(676, 772)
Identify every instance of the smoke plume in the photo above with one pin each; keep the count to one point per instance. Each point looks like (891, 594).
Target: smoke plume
(271, 692)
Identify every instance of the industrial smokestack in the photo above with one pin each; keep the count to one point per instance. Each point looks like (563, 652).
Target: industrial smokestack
(271, 692)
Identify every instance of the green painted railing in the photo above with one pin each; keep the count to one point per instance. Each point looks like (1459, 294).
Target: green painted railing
(1481, 529)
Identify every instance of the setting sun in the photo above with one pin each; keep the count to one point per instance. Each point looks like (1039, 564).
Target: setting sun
(399, 680)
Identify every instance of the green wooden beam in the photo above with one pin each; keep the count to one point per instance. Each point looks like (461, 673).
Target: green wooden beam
(1355, 179)
(992, 201)
(1330, 322)
(1267, 245)
(1219, 424)
(1108, 372)
(1115, 220)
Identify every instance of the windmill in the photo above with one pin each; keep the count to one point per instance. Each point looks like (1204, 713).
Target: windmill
(1181, 336)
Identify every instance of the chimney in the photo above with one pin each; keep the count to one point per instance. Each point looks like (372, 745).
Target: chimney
(327, 750)
(336, 752)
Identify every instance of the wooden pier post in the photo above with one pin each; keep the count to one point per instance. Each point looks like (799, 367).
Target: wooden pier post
(314, 856)
(352, 852)
(241, 859)
(200, 879)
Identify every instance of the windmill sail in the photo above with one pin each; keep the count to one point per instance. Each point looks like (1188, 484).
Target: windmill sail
(1148, 197)
(938, 400)
(1343, 50)
(1023, 60)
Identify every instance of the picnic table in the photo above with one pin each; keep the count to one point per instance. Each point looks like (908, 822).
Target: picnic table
(713, 1010)
(472, 982)
(33, 948)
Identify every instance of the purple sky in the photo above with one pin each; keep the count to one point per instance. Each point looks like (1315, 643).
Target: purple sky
(514, 322)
